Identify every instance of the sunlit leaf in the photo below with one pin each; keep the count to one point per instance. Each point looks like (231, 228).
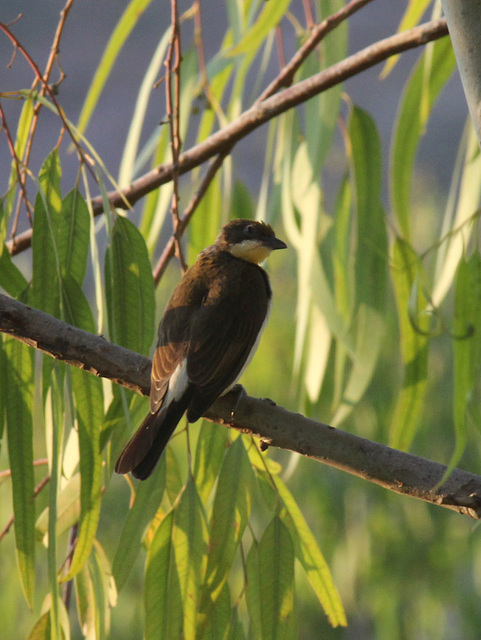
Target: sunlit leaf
(414, 346)
(89, 410)
(209, 453)
(370, 261)
(68, 510)
(410, 125)
(466, 347)
(411, 17)
(269, 17)
(457, 226)
(120, 34)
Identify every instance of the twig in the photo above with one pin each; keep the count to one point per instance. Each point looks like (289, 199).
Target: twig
(261, 113)
(284, 79)
(169, 249)
(71, 548)
(172, 104)
(36, 463)
(11, 520)
(48, 90)
(18, 168)
(397, 471)
(33, 125)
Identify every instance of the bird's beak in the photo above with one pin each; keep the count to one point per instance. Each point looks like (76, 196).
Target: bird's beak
(275, 243)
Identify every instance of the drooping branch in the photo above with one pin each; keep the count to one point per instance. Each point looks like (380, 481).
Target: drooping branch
(398, 471)
(262, 112)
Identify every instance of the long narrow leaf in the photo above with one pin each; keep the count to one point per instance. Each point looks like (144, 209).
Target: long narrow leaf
(414, 346)
(147, 500)
(130, 288)
(162, 593)
(120, 34)
(371, 263)
(89, 409)
(270, 583)
(410, 124)
(308, 552)
(19, 398)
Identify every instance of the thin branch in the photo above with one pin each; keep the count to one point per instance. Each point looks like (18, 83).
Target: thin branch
(261, 113)
(36, 112)
(18, 166)
(395, 470)
(48, 90)
(318, 33)
(169, 249)
(172, 103)
(11, 520)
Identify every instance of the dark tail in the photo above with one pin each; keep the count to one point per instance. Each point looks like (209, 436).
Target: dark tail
(143, 451)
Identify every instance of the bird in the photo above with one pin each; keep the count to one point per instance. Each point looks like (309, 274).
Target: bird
(207, 336)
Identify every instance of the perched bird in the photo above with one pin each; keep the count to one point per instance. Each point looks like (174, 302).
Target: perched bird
(208, 334)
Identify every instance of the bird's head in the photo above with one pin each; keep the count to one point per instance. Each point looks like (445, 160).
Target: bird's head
(248, 239)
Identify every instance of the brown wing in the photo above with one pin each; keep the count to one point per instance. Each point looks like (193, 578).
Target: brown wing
(225, 330)
(174, 334)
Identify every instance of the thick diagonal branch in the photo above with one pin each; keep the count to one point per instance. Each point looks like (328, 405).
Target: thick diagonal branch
(395, 470)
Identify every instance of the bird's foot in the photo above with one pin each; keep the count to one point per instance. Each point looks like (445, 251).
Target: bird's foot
(237, 392)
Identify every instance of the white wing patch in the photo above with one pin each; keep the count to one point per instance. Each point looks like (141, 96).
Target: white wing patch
(177, 384)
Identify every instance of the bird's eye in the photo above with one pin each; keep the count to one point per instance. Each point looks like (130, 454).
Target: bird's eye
(249, 230)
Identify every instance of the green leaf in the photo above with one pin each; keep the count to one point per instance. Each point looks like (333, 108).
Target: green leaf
(76, 245)
(307, 551)
(104, 591)
(412, 16)
(42, 629)
(460, 213)
(19, 399)
(148, 497)
(426, 81)
(270, 583)
(371, 259)
(466, 347)
(68, 510)
(270, 16)
(11, 278)
(204, 226)
(23, 130)
(76, 308)
(230, 513)
(190, 545)
(48, 226)
(174, 483)
(414, 345)
(120, 34)
(209, 453)
(126, 171)
(220, 618)
(130, 288)
(162, 593)
(89, 410)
